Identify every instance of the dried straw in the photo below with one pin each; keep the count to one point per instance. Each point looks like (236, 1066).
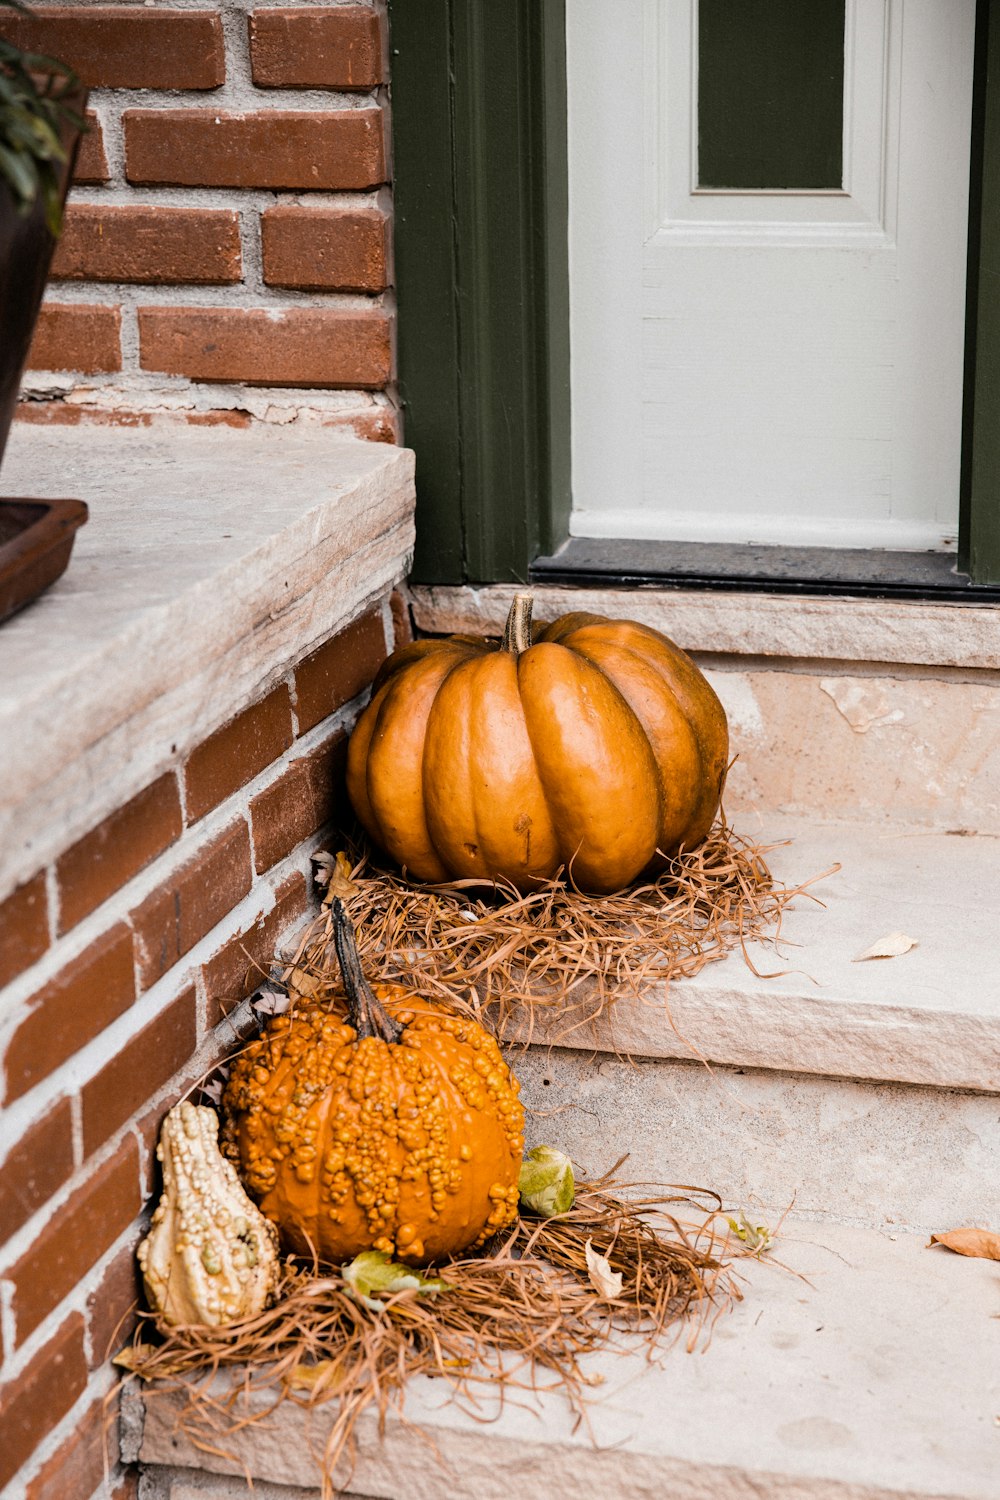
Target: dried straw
(555, 954)
(520, 1316)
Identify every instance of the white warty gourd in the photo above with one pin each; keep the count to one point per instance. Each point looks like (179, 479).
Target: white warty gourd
(210, 1256)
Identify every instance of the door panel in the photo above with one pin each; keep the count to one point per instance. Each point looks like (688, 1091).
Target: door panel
(768, 364)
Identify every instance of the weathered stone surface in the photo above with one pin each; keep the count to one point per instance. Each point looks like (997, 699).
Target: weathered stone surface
(929, 1017)
(874, 1377)
(868, 630)
(903, 751)
(212, 560)
(872, 1153)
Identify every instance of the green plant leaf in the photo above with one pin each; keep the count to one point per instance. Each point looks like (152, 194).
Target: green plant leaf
(34, 115)
(546, 1183)
(21, 174)
(373, 1271)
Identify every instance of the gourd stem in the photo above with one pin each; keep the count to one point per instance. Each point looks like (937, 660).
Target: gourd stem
(517, 632)
(367, 1016)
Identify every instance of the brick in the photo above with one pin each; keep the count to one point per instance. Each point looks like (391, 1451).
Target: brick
(379, 424)
(70, 1011)
(77, 336)
(191, 901)
(91, 158)
(325, 249)
(39, 1397)
(258, 346)
(111, 1307)
(317, 47)
(128, 46)
(109, 855)
(309, 794)
(244, 963)
(338, 671)
(76, 1238)
(324, 150)
(140, 1069)
(76, 1469)
(237, 752)
(53, 411)
(402, 621)
(36, 1167)
(24, 928)
(141, 243)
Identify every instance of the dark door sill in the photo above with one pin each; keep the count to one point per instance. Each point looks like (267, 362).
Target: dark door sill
(596, 562)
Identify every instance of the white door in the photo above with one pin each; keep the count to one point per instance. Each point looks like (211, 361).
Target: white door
(768, 363)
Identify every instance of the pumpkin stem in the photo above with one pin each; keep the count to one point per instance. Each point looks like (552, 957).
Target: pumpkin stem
(517, 632)
(367, 1016)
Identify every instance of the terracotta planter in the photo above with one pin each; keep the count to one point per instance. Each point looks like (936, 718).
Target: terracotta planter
(36, 536)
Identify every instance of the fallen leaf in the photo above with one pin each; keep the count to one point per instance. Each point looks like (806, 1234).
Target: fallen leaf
(132, 1355)
(373, 1271)
(340, 882)
(756, 1237)
(546, 1182)
(893, 945)
(604, 1280)
(311, 1376)
(982, 1243)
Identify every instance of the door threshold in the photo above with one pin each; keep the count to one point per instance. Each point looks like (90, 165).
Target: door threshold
(851, 572)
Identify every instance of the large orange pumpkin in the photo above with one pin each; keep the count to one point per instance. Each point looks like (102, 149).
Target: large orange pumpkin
(396, 1127)
(593, 746)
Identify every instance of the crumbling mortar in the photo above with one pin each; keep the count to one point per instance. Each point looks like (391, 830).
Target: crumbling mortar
(273, 299)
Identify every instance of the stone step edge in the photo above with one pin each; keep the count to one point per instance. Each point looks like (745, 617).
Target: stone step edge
(864, 1367)
(782, 1032)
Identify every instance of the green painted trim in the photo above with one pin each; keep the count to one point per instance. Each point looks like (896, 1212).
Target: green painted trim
(979, 522)
(480, 185)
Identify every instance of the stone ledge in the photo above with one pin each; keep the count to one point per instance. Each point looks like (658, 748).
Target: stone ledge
(848, 630)
(212, 561)
(872, 1373)
(931, 1016)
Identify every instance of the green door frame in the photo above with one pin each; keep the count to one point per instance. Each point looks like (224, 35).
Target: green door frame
(481, 213)
(479, 126)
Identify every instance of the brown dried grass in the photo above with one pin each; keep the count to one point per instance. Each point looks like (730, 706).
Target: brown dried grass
(556, 955)
(519, 1317)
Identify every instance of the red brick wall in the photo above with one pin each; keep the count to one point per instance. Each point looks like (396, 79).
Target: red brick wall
(119, 965)
(227, 242)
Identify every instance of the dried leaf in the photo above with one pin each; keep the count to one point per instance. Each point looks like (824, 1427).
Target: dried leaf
(893, 945)
(757, 1237)
(133, 1355)
(311, 1377)
(338, 877)
(546, 1182)
(982, 1243)
(606, 1281)
(373, 1271)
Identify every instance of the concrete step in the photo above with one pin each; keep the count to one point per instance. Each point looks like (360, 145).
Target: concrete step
(872, 1373)
(931, 1016)
(870, 1154)
(862, 1091)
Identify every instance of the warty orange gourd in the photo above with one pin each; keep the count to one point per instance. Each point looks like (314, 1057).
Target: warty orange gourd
(597, 746)
(396, 1127)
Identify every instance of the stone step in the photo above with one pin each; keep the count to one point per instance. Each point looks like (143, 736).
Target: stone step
(869, 1369)
(862, 1091)
(871, 1154)
(929, 1017)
